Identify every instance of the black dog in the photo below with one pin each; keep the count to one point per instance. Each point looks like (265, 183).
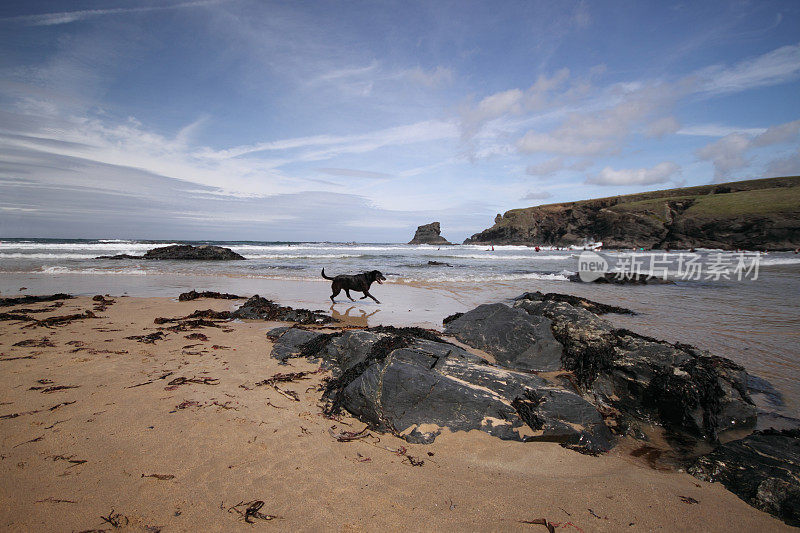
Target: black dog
(354, 282)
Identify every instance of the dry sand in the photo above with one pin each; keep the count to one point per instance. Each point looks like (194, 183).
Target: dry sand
(73, 455)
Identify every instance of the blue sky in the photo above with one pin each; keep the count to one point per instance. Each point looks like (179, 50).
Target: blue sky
(345, 121)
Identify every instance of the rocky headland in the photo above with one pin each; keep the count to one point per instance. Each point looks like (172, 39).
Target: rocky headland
(761, 214)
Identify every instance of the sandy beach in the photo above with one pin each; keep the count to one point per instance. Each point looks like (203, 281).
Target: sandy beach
(97, 425)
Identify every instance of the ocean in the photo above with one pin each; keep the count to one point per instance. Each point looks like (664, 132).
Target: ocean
(742, 306)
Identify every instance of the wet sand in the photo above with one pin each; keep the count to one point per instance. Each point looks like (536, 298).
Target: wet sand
(179, 457)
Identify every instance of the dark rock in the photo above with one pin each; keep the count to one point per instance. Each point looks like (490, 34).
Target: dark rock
(575, 301)
(688, 391)
(450, 318)
(289, 341)
(439, 263)
(184, 252)
(258, 308)
(429, 234)
(628, 278)
(409, 382)
(194, 295)
(516, 339)
(763, 469)
(18, 300)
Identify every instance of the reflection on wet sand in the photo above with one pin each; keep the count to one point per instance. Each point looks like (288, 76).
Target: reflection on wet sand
(359, 320)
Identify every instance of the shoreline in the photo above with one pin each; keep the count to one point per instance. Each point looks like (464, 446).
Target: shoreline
(237, 442)
(715, 319)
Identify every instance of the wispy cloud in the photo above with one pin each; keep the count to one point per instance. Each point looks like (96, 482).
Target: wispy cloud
(354, 173)
(66, 17)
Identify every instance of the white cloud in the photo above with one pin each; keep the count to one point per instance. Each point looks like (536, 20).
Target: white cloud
(546, 168)
(537, 195)
(730, 152)
(785, 166)
(778, 134)
(661, 173)
(717, 130)
(727, 154)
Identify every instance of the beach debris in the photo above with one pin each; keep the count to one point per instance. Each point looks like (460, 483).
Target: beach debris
(101, 303)
(688, 499)
(591, 512)
(18, 357)
(197, 337)
(16, 317)
(258, 308)
(193, 324)
(250, 510)
(177, 382)
(160, 477)
(60, 405)
(116, 520)
(540, 522)
(164, 376)
(205, 313)
(150, 338)
(194, 295)
(54, 388)
(55, 500)
(37, 439)
(402, 451)
(348, 436)
(188, 403)
(7, 302)
(59, 320)
(69, 459)
(287, 377)
(47, 309)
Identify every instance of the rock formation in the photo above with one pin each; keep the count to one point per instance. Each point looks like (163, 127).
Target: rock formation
(411, 381)
(762, 469)
(429, 234)
(752, 215)
(184, 252)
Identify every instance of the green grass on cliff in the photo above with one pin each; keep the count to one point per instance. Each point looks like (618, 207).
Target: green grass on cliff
(739, 198)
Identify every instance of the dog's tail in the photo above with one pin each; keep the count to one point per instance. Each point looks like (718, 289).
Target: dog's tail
(324, 276)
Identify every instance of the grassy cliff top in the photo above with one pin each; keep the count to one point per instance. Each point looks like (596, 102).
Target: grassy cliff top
(749, 197)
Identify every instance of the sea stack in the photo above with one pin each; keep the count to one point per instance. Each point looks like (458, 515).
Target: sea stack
(429, 234)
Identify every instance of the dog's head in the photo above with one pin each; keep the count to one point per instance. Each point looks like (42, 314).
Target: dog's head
(376, 275)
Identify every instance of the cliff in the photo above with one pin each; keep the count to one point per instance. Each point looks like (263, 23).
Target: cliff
(759, 214)
(429, 234)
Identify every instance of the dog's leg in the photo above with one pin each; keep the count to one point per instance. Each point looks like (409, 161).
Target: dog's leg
(366, 293)
(347, 292)
(336, 291)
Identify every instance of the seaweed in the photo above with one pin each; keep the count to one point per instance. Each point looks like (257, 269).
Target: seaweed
(7, 302)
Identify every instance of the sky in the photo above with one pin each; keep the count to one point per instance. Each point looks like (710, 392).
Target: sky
(359, 121)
